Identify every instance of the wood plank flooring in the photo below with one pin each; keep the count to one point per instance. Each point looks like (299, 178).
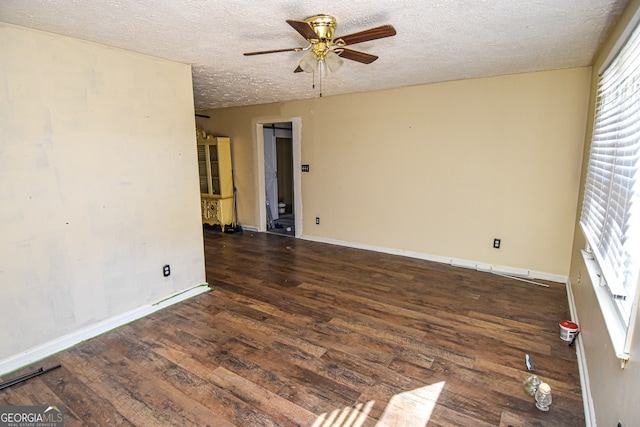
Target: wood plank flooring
(299, 333)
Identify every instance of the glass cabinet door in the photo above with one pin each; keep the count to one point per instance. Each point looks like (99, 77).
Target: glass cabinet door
(202, 168)
(214, 168)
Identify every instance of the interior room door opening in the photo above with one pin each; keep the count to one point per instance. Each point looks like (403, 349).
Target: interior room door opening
(279, 178)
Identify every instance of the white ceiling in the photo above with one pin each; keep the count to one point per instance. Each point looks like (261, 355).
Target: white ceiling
(437, 40)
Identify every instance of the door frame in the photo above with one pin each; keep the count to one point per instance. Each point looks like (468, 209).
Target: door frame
(296, 141)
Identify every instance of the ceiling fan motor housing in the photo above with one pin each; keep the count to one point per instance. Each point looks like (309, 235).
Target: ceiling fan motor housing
(323, 25)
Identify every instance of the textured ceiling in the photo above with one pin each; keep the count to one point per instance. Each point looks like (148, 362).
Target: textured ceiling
(437, 40)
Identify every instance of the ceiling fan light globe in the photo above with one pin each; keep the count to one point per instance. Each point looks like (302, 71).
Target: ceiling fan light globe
(309, 63)
(333, 61)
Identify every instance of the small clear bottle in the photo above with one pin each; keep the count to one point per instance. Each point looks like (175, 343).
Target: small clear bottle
(531, 384)
(543, 397)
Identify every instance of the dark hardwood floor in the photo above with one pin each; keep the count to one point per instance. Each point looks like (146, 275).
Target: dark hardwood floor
(303, 333)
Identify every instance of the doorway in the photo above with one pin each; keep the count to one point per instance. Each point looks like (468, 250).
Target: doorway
(278, 176)
(278, 154)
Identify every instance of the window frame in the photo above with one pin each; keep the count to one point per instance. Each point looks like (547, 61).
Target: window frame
(619, 315)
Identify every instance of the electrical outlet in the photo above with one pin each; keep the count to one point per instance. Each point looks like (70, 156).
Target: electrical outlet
(496, 243)
(166, 270)
(317, 220)
(305, 168)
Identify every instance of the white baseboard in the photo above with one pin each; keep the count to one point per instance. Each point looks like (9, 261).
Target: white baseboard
(52, 347)
(455, 262)
(587, 399)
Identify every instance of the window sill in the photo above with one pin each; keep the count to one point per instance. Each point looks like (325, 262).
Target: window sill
(615, 325)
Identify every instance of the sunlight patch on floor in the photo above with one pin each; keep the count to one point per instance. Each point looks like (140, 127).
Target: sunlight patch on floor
(410, 408)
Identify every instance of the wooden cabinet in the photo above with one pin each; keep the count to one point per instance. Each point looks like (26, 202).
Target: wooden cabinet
(216, 179)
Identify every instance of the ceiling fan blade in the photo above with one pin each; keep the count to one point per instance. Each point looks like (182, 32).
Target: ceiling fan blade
(366, 35)
(298, 70)
(354, 55)
(262, 52)
(303, 28)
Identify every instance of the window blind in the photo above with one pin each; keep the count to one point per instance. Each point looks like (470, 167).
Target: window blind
(610, 214)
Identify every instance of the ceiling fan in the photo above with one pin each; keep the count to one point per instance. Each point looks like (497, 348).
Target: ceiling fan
(325, 51)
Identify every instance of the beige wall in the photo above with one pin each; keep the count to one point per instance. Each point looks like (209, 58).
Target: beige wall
(98, 185)
(614, 390)
(438, 169)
